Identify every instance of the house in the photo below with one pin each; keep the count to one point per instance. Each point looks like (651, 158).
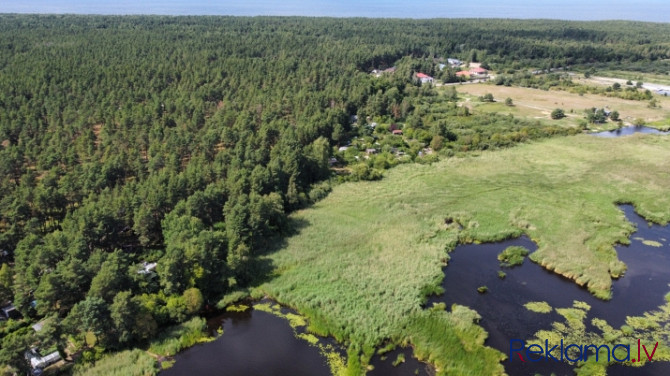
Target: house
(37, 327)
(441, 66)
(343, 148)
(479, 72)
(397, 132)
(371, 151)
(379, 73)
(474, 73)
(147, 267)
(10, 312)
(40, 362)
(424, 78)
(454, 62)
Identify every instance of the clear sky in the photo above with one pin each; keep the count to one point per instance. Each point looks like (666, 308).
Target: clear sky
(643, 10)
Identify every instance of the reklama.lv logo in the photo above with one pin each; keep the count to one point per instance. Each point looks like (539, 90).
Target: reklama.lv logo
(574, 352)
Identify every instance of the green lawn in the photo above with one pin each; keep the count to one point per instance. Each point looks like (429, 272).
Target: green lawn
(364, 258)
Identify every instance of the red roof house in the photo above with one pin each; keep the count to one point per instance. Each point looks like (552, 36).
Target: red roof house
(424, 78)
(478, 70)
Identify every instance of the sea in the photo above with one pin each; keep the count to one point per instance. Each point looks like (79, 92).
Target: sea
(638, 10)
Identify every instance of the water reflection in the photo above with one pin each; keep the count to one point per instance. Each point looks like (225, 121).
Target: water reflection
(253, 343)
(625, 131)
(389, 364)
(504, 316)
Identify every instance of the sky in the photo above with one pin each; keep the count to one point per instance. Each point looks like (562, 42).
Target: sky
(641, 10)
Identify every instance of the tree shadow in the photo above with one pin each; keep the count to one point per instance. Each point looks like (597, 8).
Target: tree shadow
(262, 266)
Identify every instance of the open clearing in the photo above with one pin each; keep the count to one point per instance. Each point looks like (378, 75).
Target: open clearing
(365, 257)
(536, 103)
(656, 78)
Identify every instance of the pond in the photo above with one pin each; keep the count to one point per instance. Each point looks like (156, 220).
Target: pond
(254, 343)
(259, 343)
(626, 131)
(504, 317)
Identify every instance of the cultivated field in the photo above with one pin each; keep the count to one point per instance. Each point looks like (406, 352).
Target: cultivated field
(538, 104)
(364, 258)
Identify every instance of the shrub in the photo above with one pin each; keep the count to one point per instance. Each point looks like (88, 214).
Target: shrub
(614, 116)
(194, 300)
(488, 97)
(557, 114)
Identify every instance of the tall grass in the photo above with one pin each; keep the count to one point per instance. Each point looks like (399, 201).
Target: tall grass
(125, 363)
(364, 257)
(180, 337)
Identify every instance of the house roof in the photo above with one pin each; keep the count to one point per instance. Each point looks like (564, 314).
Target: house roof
(422, 75)
(463, 73)
(478, 70)
(397, 131)
(37, 327)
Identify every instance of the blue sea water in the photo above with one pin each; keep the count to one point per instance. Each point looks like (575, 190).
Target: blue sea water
(641, 10)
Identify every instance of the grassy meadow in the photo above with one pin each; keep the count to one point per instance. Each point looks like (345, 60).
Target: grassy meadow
(538, 104)
(657, 78)
(363, 260)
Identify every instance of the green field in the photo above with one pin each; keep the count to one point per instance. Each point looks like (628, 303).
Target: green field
(363, 260)
(657, 78)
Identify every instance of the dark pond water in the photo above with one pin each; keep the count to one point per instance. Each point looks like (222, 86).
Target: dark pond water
(259, 343)
(625, 131)
(504, 316)
(253, 343)
(384, 364)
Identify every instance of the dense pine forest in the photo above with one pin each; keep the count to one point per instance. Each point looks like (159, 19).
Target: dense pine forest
(147, 161)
